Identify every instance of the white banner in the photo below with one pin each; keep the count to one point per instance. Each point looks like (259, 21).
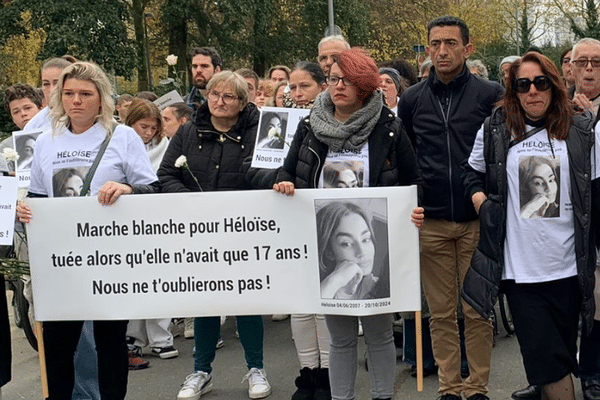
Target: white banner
(276, 130)
(225, 253)
(8, 203)
(166, 100)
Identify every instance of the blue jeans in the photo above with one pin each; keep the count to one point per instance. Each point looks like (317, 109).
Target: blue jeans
(86, 366)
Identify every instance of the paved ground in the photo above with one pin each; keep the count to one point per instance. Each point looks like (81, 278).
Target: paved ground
(162, 379)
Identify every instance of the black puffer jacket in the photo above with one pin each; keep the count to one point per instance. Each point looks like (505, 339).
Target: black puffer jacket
(391, 158)
(482, 281)
(443, 140)
(215, 159)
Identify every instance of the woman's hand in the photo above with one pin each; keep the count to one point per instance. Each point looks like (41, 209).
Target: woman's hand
(343, 282)
(111, 191)
(478, 198)
(536, 207)
(284, 187)
(418, 216)
(23, 212)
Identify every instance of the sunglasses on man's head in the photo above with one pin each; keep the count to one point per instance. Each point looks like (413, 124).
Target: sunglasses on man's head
(541, 83)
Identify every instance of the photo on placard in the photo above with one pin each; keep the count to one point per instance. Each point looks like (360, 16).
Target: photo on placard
(272, 129)
(25, 147)
(353, 246)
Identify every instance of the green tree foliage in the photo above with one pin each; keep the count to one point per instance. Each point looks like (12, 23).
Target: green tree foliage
(92, 30)
(592, 24)
(259, 33)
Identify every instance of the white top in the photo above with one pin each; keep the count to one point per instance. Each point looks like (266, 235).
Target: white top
(346, 169)
(539, 245)
(40, 121)
(61, 161)
(156, 152)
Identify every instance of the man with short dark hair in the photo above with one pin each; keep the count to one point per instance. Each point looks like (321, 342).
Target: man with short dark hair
(205, 63)
(278, 73)
(252, 79)
(442, 115)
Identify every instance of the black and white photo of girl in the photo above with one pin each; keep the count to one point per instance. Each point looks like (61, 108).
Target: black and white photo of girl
(25, 146)
(67, 182)
(343, 174)
(539, 187)
(272, 130)
(353, 248)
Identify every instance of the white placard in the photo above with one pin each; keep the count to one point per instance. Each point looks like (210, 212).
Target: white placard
(166, 100)
(24, 144)
(8, 203)
(214, 253)
(276, 130)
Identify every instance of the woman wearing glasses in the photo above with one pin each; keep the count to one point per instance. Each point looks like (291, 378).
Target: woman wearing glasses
(216, 142)
(532, 178)
(349, 123)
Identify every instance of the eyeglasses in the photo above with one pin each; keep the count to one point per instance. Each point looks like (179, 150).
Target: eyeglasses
(227, 98)
(583, 62)
(333, 80)
(541, 83)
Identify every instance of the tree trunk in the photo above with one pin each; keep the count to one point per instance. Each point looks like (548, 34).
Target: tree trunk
(137, 13)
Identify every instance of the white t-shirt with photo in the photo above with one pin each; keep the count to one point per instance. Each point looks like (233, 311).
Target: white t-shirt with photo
(540, 244)
(346, 169)
(61, 161)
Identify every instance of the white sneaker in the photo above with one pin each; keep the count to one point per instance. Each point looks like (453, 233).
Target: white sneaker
(188, 332)
(258, 386)
(195, 385)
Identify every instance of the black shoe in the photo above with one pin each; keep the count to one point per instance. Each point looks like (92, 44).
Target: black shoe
(305, 384)
(531, 392)
(478, 396)
(591, 389)
(449, 396)
(322, 387)
(426, 371)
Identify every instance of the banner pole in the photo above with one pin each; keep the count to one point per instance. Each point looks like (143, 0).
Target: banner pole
(42, 355)
(419, 348)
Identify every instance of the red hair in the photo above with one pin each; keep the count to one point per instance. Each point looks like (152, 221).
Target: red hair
(361, 70)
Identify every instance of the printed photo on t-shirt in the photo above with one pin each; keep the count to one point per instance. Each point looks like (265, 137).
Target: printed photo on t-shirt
(539, 186)
(25, 147)
(67, 182)
(343, 174)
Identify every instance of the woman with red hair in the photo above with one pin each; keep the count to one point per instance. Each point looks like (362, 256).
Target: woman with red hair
(350, 125)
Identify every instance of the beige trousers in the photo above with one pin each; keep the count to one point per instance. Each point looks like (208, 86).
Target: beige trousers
(446, 251)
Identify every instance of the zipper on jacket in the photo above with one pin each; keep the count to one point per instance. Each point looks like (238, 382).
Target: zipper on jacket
(449, 151)
(318, 166)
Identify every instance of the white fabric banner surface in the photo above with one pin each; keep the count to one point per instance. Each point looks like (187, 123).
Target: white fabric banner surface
(225, 253)
(8, 204)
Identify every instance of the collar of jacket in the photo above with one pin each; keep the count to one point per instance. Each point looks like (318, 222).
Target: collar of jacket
(436, 85)
(206, 130)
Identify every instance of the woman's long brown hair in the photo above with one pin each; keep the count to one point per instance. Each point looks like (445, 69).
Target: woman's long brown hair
(559, 113)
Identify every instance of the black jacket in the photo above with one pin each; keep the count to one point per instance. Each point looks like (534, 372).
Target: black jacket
(215, 159)
(482, 281)
(443, 140)
(391, 158)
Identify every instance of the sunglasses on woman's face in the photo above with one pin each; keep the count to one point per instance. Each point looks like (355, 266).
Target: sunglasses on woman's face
(541, 83)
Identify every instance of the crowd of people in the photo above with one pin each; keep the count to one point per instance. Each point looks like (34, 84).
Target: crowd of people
(509, 200)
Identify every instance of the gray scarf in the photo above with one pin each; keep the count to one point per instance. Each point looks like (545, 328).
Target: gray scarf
(349, 135)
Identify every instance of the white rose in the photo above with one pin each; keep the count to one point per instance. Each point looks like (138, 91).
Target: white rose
(274, 132)
(172, 59)
(10, 154)
(180, 162)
